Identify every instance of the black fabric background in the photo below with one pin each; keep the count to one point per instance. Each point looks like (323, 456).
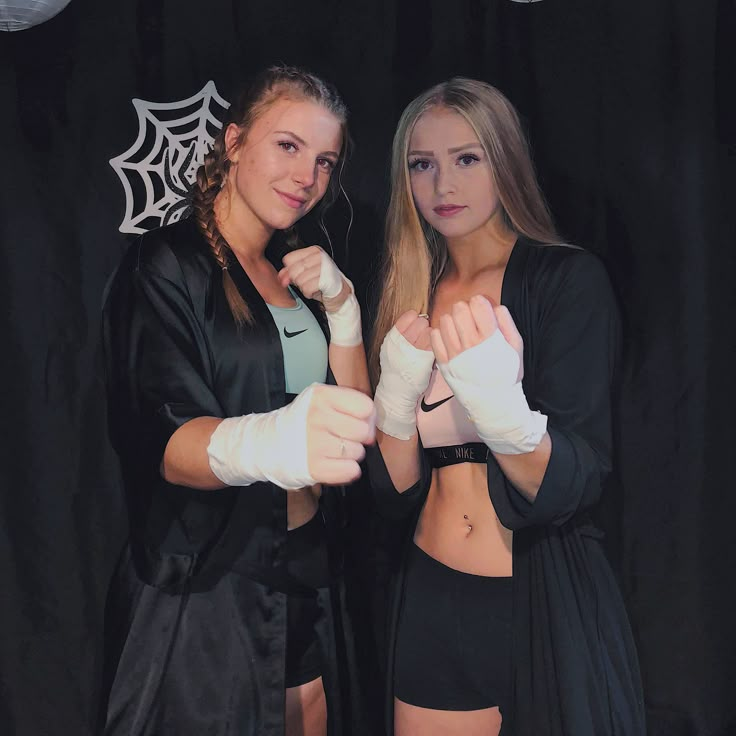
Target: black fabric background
(630, 108)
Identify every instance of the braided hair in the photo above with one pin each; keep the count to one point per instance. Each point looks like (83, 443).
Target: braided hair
(272, 84)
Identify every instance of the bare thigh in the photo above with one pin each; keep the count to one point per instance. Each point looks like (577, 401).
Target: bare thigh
(306, 709)
(411, 720)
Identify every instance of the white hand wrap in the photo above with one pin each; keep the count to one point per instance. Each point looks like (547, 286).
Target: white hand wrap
(330, 277)
(405, 374)
(484, 380)
(344, 323)
(264, 447)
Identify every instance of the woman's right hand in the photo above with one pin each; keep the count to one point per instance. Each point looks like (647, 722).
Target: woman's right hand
(317, 438)
(340, 421)
(415, 329)
(406, 360)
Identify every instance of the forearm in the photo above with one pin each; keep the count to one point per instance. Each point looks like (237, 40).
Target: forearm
(526, 471)
(346, 351)
(349, 367)
(209, 453)
(401, 458)
(185, 461)
(406, 366)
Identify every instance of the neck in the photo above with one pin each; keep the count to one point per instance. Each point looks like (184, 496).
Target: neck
(485, 249)
(245, 233)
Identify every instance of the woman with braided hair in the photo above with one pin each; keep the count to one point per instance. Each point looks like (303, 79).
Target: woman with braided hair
(222, 353)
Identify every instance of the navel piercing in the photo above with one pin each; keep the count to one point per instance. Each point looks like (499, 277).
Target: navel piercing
(465, 516)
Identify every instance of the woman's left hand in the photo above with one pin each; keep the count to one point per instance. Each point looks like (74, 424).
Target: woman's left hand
(470, 323)
(479, 352)
(315, 274)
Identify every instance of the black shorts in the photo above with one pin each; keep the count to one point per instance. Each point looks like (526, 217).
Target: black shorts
(306, 554)
(453, 646)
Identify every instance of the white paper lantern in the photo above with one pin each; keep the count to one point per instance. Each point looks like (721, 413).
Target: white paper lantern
(17, 15)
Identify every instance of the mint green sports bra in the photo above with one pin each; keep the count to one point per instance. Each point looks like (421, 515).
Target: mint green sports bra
(303, 344)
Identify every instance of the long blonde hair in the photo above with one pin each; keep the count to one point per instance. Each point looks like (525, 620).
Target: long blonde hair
(415, 254)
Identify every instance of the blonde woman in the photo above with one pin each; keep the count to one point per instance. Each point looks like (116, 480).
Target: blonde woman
(493, 357)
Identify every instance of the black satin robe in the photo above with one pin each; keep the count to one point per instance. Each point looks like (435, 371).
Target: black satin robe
(575, 668)
(196, 614)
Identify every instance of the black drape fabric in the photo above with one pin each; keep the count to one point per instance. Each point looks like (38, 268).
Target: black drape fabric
(630, 110)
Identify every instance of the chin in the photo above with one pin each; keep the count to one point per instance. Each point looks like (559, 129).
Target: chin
(453, 229)
(282, 220)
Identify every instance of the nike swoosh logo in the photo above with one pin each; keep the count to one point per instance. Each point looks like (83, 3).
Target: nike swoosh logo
(430, 407)
(294, 334)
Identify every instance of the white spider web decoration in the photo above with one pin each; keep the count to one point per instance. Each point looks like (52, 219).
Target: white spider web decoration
(159, 169)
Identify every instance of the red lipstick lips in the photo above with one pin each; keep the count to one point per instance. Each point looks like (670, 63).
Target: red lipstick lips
(293, 202)
(448, 210)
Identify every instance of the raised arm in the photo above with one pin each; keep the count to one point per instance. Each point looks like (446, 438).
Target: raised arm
(551, 445)
(164, 412)
(575, 357)
(406, 361)
(348, 362)
(317, 276)
(397, 470)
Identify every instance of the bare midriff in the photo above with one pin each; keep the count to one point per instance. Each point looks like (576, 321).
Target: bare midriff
(301, 506)
(458, 525)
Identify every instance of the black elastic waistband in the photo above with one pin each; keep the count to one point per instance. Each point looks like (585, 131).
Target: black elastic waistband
(471, 452)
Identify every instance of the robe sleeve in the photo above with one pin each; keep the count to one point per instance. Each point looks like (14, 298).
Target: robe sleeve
(574, 358)
(158, 369)
(159, 376)
(389, 502)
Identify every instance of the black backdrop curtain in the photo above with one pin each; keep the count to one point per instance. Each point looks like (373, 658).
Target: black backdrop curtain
(630, 107)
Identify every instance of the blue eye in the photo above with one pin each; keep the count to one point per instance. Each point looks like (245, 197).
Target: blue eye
(467, 159)
(419, 164)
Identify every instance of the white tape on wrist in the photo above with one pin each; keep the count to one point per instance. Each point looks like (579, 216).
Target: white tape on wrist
(345, 324)
(330, 277)
(405, 374)
(484, 380)
(264, 447)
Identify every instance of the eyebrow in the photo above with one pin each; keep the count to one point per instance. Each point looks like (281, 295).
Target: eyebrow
(304, 143)
(449, 150)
